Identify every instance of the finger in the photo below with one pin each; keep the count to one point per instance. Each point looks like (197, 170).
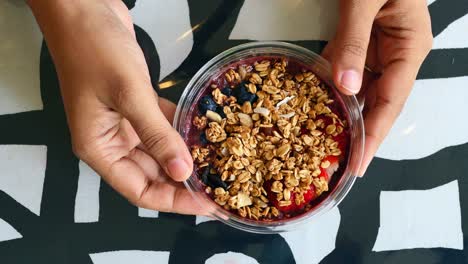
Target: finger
(122, 12)
(165, 197)
(126, 135)
(351, 43)
(371, 61)
(139, 104)
(328, 51)
(168, 108)
(126, 177)
(143, 192)
(147, 164)
(371, 73)
(391, 91)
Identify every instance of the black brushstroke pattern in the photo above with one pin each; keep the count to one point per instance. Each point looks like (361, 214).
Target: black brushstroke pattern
(150, 53)
(214, 38)
(119, 227)
(213, 18)
(445, 63)
(129, 3)
(210, 238)
(113, 206)
(212, 23)
(16, 214)
(16, 128)
(55, 238)
(359, 224)
(61, 181)
(443, 13)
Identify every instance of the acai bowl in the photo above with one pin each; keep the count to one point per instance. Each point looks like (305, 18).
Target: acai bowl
(274, 143)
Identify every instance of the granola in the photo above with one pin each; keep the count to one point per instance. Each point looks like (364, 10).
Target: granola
(271, 139)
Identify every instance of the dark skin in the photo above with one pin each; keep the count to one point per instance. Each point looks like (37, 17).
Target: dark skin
(122, 129)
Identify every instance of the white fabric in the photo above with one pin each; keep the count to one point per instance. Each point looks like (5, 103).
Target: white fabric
(420, 219)
(20, 46)
(7, 232)
(230, 258)
(454, 36)
(313, 242)
(87, 195)
(417, 134)
(143, 212)
(168, 25)
(22, 173)
(130, 257)
(286, 20)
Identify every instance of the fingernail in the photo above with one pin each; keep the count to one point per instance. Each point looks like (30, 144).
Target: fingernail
(178, 169)
(351, 81)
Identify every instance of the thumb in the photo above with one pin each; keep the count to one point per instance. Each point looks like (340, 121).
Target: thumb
(351, 43)
(140, 106)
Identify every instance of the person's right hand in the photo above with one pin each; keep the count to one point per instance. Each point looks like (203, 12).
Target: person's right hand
(392, 37)
(118, 124)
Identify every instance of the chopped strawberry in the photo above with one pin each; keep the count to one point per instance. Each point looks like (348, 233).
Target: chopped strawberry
(331, 159)
(342, 138)
(331, 169)
(309, 195)
(324, 174)
(326, 120)
(293, 207)
(343, 141)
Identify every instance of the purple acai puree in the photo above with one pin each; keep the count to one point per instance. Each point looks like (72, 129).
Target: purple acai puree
(193, 135)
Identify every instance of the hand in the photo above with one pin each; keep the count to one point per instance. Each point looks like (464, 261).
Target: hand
(118, 124)
(392, 38)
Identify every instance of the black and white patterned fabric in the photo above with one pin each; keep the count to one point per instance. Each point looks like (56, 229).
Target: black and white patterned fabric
(411, 206)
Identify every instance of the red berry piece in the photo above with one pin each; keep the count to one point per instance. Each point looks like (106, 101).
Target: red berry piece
(293, 207)
(331, 169)
(343, 141)
(326, 120)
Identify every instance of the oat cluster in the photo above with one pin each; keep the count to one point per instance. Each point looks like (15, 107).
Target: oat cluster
(272, 147)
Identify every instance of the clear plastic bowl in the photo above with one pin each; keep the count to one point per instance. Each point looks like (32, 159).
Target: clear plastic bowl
(319, 66)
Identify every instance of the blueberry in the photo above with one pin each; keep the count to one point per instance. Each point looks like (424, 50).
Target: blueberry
(249, 97)
(207, 103)
(242, 95)
(227, 91)
(214, 181)
(241, 99)
(203, 139)
(220, 111)
(239, 89)
(204, 175)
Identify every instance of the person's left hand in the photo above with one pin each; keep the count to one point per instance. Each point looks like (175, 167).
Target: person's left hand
(392, 38)
(118, 124)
